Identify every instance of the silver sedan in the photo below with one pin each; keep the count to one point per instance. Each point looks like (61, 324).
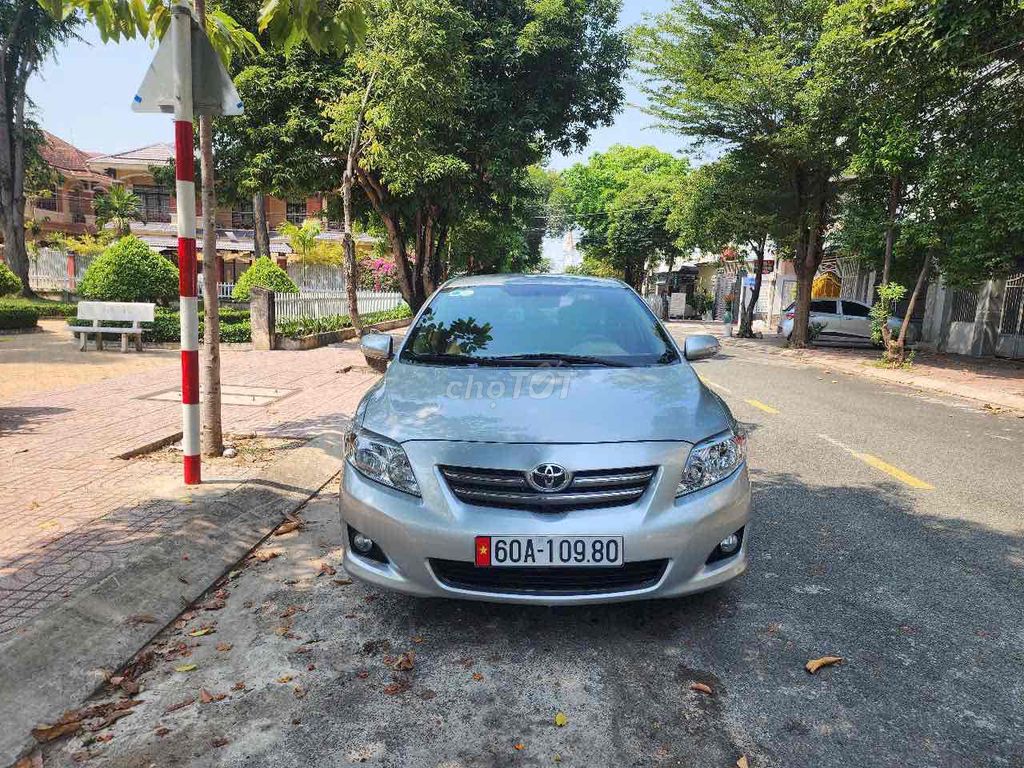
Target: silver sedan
(543, 440)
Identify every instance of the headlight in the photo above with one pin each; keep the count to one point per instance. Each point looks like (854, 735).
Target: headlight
(712, 460)
(380, 459)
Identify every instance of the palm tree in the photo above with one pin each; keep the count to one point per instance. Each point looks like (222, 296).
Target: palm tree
(302, 239)
(120, 207)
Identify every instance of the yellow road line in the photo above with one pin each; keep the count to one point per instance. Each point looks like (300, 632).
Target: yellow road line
(762, 406)
(896, 472)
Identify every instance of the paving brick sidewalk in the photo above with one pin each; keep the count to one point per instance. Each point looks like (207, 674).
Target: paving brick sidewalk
(70, 509)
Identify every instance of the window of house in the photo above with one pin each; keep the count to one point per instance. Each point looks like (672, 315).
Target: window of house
(242, 216)
(47, 201)
(296, 212)
(156, 202)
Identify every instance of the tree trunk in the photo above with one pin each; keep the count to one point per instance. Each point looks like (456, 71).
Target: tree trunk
(261, 233)
(895, 196)
(351, 266)
(808, 254)
(747, 320)
(12, 170)
(896, 353)
(212, 431)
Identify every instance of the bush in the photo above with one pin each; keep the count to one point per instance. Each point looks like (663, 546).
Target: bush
(266, 274)
(17, 315)
(44, 307)
(130, 270)
(9, 282)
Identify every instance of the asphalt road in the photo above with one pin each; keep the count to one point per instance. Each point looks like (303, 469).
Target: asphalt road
(888, 530)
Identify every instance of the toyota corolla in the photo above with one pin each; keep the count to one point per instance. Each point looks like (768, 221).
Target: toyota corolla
(543, 439)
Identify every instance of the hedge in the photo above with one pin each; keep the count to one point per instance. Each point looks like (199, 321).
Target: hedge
(166, 326)
(16, 316)
(307, 326)
(44, 307)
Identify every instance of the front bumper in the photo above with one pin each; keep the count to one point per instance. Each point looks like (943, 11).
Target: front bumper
(413, 531)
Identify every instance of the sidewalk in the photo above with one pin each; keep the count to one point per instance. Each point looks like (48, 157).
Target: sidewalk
(72, 510)
(996, 383)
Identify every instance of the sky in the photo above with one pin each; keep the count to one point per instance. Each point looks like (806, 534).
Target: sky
(84, 96)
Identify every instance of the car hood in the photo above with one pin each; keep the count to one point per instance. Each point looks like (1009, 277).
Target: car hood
(547, 405)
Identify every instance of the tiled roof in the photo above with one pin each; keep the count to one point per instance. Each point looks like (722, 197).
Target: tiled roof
(62, 155)
(153, 153)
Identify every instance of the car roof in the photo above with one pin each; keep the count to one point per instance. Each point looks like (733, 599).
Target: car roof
(567, 280)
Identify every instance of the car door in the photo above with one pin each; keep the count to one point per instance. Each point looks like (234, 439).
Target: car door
(856, 321)
(824, 312)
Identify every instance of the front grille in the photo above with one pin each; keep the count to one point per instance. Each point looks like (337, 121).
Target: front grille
(561, 580)
(589, 489)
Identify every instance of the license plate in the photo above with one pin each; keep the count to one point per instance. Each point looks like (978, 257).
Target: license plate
(548, 551)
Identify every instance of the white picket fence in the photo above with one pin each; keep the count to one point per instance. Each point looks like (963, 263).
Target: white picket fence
(48, 270)
(223, 289)
(317, 304)
(317, 277)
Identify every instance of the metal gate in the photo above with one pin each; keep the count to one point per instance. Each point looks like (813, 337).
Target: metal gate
(1010, 342)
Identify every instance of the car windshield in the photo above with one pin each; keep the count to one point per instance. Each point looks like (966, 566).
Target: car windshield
(529, 322)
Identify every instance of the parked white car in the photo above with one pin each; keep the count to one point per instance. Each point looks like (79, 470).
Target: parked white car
(842, 319)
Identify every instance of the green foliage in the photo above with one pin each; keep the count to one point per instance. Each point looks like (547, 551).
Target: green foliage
(129, 270)
(119, 207)
(301, 238)
(591, 266)
(622, 200)
(308, 326)
(43, 307)
(265, 274)
(9, 282)
(17, 315)
(889, 294)
(463, 99)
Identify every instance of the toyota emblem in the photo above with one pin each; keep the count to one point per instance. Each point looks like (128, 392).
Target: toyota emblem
(549, 478)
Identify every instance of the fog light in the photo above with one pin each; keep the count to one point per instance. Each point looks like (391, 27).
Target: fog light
(364, 544)
(729, 544)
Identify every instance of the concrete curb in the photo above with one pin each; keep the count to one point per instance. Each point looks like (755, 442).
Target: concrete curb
(58, 660)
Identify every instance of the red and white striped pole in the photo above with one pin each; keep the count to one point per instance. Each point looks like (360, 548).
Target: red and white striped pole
(185, 189)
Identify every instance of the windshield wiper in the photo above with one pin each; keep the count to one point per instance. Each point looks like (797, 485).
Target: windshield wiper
(442, 359)
(557, 359)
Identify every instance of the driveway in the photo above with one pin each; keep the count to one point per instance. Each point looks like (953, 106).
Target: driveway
(887, 531)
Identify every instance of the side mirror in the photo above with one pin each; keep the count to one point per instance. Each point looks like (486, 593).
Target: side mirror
(377, 346)
(700, 347)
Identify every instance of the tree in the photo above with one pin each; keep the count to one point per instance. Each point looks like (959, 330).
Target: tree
(740, 74)
(622, 200)
(734, 202)
(118, 206)
(266, 274)
(28, 35)
(469, 94)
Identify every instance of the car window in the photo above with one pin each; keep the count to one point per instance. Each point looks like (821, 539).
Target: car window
(853, 309)
(823, 307)
(485, 323)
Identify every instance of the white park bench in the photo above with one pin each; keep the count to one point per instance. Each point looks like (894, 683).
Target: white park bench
(112, 311)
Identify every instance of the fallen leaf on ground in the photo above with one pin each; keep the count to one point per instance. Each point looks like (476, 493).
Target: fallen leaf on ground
(342, 582)
(45, 733)
(162, 731)
(224, 647)
(362, 674)
(291, 525)
(34, 760)
(284, 679)
(205, 697)
(561, 719)
(180, 705)
(742, 762)
(299, 691)
(215, 604)
(264, 555)
(814, 665)
(326, 569)
(221, 742)
(417, 639)
(402, 663)
(396, 687)
(141, 618)
(185, 667)
(239, 686)
(477, 676)
(519, 747)
(700, 688)
(200, 632)
(104, 737)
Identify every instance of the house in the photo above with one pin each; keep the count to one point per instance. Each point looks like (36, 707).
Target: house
(68, 206)
(145, 171)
